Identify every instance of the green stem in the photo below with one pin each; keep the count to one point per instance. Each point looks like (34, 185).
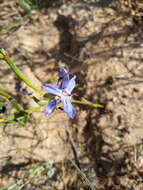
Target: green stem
(32, 110)
(88, 103)
(16, 105)
(16, 70)
(5, 94)
(42, 103)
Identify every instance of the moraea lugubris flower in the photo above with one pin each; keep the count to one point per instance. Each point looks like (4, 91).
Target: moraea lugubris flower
(63, 94)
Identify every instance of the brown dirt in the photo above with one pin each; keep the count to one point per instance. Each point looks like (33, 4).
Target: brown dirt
(101, 44)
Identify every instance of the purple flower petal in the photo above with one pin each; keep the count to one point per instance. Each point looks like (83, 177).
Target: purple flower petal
(64, 76)
(52, 89)
(71, 85)
(68, 108)
(62, 72)
(50, 107)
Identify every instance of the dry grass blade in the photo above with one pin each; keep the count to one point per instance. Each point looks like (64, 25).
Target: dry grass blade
(86, 180)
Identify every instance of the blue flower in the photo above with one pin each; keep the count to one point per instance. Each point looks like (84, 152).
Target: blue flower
(63, 94)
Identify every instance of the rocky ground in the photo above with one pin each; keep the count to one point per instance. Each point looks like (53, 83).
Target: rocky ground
(101, 43)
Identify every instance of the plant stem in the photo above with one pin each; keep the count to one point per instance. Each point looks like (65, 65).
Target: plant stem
(16, 70)
(88, 103)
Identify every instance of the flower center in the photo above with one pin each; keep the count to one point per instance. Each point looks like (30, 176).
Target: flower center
(65, 93)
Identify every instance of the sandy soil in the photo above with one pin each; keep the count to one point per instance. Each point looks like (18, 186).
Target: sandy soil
(102, 45)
